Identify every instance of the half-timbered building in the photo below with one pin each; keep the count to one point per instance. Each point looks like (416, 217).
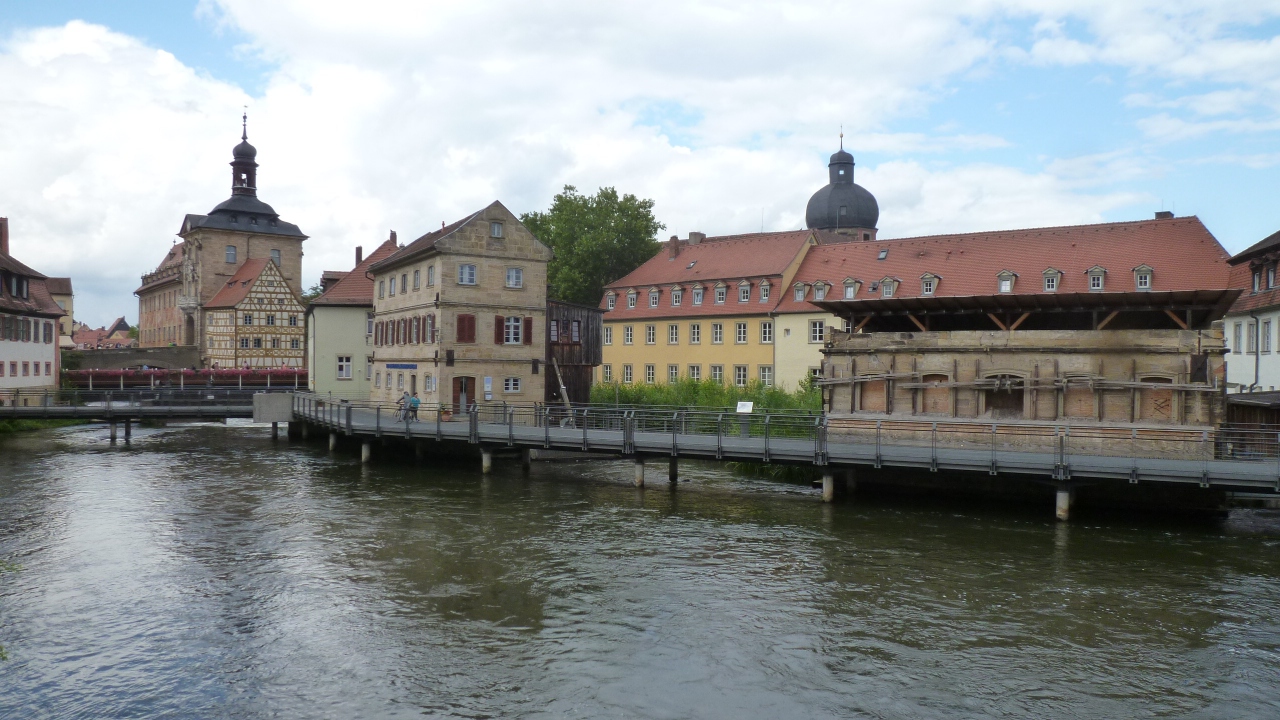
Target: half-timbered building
(255, 320)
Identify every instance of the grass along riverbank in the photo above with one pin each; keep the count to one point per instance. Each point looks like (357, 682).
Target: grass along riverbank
(708, 394)
(16, 426)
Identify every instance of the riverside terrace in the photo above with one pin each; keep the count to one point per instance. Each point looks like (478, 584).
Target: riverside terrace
(1239, 458)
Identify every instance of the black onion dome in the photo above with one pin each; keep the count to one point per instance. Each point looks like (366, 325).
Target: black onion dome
(842, 203)
(244, 151)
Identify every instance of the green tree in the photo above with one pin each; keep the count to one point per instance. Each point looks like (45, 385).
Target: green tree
(596, 239)
(315, 292)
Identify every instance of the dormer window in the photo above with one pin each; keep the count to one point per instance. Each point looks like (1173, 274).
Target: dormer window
(764, 292)
(653, 298)
(611, 300)
(800, 293)
(1052, 279)
(631, 299)
(722, 293)
(1097, 278)
(819, 292)
(1142, 277)
(850, 288)
(1257, 280)
(1271, 277)
(677, 296)
(1005, 280)
(886, 287)
(697, 296)
(744, 292)
(928, 283)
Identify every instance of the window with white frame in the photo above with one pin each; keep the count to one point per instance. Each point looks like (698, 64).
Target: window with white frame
(248, 319)
(431, 275)
(886, 288)
(673, 334)
(512, 330)
(744, 293)
(608, 334)
(926, 286)
(404, 283)
(740, 333)
(766, 375)
(388, 379)
(653, 298)
(650, 334)
(677, 296)
(1251, 341)
(799, 293)
(377, 380)
(740, 375)
(1144, 281)
(1051, 282)
(1006, 284)
(515, 277)
(1096, 279)
(850, 289)
(695, 372)
(695, 333)
(817, 331)
(399, 381)
(628, 337)
(626, 374)
(391, 286)
(766, 331)
(466, 275)
(368, 368)
(1265, 336)
(382, 289)
(606, 373)
(1236, 346)
(344, 367)
(819, 291)
(764, 292)
(697, 296)
(673, 373)
(721, 293)
(717, 373)
(511, 385)
(631, 300)
(495, 229)
(717, 333)
(650, 374)
(1271, 277)
(417, 279)
(611, 300)
(368, 323)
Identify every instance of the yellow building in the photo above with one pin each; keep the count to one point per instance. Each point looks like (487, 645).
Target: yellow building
(255, 320)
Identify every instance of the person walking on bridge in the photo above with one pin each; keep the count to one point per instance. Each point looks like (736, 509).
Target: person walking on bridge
(413, 407)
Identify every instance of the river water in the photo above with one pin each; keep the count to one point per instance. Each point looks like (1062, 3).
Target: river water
(205, 571)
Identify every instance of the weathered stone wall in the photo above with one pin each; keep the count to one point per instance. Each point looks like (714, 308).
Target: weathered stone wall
(170, 358)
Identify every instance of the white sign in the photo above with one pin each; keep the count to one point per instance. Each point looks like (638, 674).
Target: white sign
(488, 385)
(746, 407)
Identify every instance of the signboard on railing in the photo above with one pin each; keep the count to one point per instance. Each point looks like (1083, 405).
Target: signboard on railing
(746, 407)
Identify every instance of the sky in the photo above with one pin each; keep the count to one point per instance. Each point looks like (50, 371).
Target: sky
(963, 115)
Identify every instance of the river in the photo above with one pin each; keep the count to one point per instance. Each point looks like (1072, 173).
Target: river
(205, 571)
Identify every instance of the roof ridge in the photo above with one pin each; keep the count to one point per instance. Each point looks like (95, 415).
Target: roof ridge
(1042, 229)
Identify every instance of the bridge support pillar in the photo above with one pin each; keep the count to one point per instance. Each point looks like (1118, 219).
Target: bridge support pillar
(366, 451)
(275, 431)
(128, 429)
(673, 470)
(113, 431)
(1065, 499)
(306, 430)
(418, 450)
(526, 460)
(333, 441)
(850, 481)
(486, 460)
(828, 486)
(639, 463)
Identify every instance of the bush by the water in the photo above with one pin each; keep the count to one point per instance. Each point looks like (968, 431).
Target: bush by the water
(708, 394)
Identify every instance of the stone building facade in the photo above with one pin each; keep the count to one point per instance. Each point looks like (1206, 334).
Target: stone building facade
(255, 320)
(214, 247)
(460, 313)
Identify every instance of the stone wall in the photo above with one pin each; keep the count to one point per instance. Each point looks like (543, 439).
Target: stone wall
(171, 358)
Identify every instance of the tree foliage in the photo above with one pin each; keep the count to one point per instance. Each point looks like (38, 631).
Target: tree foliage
(311, 294)
(596, 239)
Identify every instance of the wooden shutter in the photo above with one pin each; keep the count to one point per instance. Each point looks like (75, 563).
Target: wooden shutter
(466, 328)
(528, 331)
(498, 323)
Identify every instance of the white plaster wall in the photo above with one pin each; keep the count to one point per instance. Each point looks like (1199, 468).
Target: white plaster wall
(1240, 362)
(31, 352)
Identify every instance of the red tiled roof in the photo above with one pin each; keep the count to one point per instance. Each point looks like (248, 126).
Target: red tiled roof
(1182, 253)
(424, 243)
(355, 288)
(38, 301)
(58, 286)
(239, 285)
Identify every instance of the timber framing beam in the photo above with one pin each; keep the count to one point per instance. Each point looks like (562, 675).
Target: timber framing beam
(1108, 319)
(996, 320)
(1174, 316)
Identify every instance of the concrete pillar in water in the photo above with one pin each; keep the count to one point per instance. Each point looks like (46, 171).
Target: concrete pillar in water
(305, 430)
(639, 472)
(673, 469)
(113, 432)
(486, 460)
(1065, 498)
(366, 451)
(275, 431)
(526, 460)
(128, 430)
(333, 441)
(828, 486)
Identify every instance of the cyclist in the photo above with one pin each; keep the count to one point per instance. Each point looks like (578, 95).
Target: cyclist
(402, 407)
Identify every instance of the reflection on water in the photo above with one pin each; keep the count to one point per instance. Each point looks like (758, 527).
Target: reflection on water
(207, 572)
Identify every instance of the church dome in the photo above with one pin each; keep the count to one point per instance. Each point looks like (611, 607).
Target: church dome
(244, 151)
(842, 204)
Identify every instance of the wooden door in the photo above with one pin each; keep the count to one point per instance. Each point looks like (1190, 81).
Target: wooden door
(873, 396)
(464, 393)
(1157, 403)
(937, 400)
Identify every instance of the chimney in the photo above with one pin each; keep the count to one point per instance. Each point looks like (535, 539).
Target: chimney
(696, 237)
(673, 247)
(393, 236)
(1163, 215)
(359, 254)
(4, 236)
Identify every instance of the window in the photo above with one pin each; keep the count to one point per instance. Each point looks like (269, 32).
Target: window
(766, 331)
(275, 257)
(631, 300)
(850, 290)
(275, 343)
(608, 335)
(271, 319)
(244, 342)
(673, 373)
(1050, 283)
(368, 324)
(650, 334)
(740, 375)
(1257, 280)
(817, 331)
(431, 275)
(677, 296)
(717, 373)
(697, 296)
(1144, 280)
(740, 333)
(466, 275)
(766, 375)
(26, 369)
(511, 385)
(368, 368)
(466, 328)
(399, 381)
(428, 382)
(404, 283)
(231, 254)
(721, 292)
(248, 319)
(627, 335)
(799, 293)
(1271, 277)
(344, 367)
(926, 286)
(650, 374)
(293, 321)
(653, 298)
(886, 288)
(606, 373)
(764, 292)
(377, 380)
(575, 331)
(884, 253)
(388, 379)
(392, 287)
(515, 277)
(695, 333)
(417, 279)
(744, 293)
(717, 333)
(1251, 342)
(1095, 281)
(382, 289)
(511, 330)
(495, 229)
(626, 373)
(257, 343)
(611, 300)
(1006, 285)
(1236, 346)
(1266, 336)
(673, 334)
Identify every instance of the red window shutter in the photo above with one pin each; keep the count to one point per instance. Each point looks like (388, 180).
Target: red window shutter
(499, 323)
(377, 334)
(466, 328)
(528, 331)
